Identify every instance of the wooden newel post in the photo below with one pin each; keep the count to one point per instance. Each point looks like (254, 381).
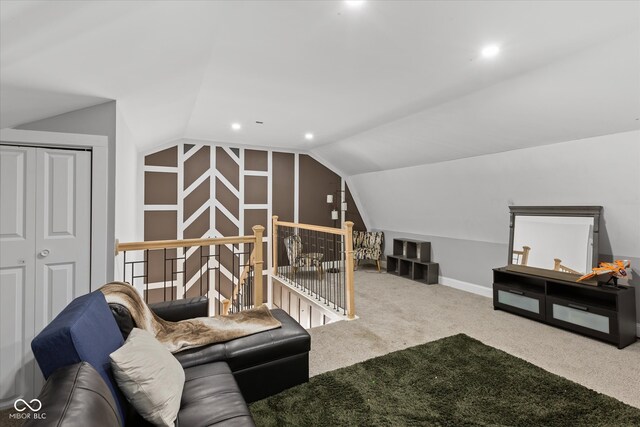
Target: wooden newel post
(258, 231)
(348, 242)
(274, 243)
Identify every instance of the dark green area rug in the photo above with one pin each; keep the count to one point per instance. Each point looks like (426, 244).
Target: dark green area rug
(455, 381)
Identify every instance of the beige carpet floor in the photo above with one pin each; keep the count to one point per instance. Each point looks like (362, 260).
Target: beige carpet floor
(395, 313)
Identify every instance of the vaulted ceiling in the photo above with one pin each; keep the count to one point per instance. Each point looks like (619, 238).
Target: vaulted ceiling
(386, 85)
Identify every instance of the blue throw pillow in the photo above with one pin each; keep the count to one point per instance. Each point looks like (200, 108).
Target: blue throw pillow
(85, 331)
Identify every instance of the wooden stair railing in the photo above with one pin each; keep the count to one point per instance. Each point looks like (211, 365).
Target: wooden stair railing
(256, 260)
(522, 257)
(347, 237)
(557, 266)
(227, 303)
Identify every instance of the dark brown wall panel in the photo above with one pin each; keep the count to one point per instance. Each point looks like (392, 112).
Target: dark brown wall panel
(227, 198)
(255, 160)
(316, 181)
(197, 198)
(265, 286)
(193, 266)
(228, 167)
(224, 286)
(168, 157)
(198, 288)
(224, 225)
(353, 214)
(255, 189)
(160, 188)
(159, 295)
(282, 195)
(160, 225)
(199, 227)
(156, 261)
(196, 165)
(230, 261)
(255, 217)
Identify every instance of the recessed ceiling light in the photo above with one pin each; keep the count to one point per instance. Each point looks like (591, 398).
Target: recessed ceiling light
(490, 51)
(354, 4)
(236, 126)
(308, 136)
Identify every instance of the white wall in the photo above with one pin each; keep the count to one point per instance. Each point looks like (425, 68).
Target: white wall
(127, 204)
(467, 200)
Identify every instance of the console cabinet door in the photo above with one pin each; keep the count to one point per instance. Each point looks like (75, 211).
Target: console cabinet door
(516, 300)
(586, 319)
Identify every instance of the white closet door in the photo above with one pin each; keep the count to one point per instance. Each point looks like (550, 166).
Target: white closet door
(45, 239)
(63, 230)
(17, 272)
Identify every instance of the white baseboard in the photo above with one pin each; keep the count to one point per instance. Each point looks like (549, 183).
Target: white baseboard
(466, 286)
(483, 291)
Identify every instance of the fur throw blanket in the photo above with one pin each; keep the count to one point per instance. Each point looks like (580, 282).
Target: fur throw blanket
(191, 333)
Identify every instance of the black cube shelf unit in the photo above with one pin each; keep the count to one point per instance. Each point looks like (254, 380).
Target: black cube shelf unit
(412, 259)
(608, 314)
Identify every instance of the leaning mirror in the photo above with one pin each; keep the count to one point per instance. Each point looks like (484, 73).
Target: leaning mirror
(554, 241)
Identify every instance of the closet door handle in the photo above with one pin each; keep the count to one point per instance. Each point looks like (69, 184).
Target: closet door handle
(578, 307)
(44, 253)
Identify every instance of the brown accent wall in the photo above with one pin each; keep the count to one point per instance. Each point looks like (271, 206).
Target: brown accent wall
(198, 227)
(168, 157)
(282, 194)
(255, 217)
(316, 181)
(227, 198)
(196, 165)
(160, 188)
(224, 225)
(193, 267)
(255, 190)
(160, 225)
(162, 294)
(197, 198)
(353, 214)
(228, 167)
(256, 160)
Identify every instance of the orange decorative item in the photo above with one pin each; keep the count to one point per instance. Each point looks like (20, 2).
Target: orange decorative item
(616, 269)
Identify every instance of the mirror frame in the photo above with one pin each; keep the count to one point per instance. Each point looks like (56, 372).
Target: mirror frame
(594, 212)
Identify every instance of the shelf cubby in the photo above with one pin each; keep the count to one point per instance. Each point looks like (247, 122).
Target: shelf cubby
(405, 268)
(426, 272)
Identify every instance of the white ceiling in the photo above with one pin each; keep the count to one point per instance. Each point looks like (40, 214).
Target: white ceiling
(392, 84)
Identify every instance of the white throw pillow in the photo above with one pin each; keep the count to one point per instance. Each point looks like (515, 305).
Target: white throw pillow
(150, 377)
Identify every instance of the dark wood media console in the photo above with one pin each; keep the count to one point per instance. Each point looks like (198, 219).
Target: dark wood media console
(605, 313)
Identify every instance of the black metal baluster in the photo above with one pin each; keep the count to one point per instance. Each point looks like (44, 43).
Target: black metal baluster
(200, 265)
(218, 279)
(184, 272)
(344, 282)
(146, 269)
(164, 273)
